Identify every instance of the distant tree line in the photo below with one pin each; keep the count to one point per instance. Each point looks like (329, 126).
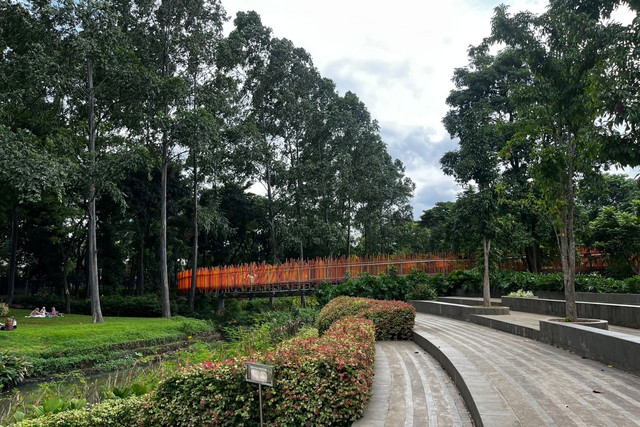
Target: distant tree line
(130, 132)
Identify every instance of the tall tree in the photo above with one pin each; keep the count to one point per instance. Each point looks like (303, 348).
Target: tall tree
(560, 47)
(481, 117)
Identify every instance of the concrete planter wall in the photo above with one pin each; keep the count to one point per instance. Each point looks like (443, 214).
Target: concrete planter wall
(455, 311)
(615, 314)
(550, 307)
(626, 299)
(612, 348)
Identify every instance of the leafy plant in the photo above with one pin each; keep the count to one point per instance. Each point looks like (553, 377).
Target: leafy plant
(135, 389)
(4, 309)
(13, 369)
(54, 405)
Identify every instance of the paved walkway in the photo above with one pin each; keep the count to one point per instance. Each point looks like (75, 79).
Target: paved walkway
(519, 381)
(512, 381)
(410, 388)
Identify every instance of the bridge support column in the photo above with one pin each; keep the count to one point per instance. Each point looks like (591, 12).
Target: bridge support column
(220, 309)
(303, 300)
(272, 301)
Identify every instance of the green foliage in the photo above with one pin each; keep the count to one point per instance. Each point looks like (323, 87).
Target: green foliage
(319, 381)
(135, 389)
(55, 405)
(112, 305)
(13, 369)
(393, 320)
(4, 309)
(521, 294)
(506, 282)
(117, 412)
(416, 285)
(467, 280)
(617, 234)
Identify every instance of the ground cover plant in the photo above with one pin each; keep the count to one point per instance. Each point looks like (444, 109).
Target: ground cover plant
(61, 344)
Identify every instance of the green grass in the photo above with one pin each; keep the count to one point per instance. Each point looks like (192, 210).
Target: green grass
(57, 344)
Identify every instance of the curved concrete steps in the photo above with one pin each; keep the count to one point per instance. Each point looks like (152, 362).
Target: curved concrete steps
(509, 380)
(410, 388)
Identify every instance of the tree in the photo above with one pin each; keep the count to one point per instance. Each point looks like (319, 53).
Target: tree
(482, 117)
(617, 234)
(26, 172)
(560, 48)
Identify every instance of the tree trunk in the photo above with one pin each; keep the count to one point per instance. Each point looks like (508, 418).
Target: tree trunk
(533, 258)
(194, 275)
(164, 274)
(94, 288)
(567, 238)
(486, 290)
(349, 228)
(14, 251)
(140, 278)
(67, 295)
(272, 225)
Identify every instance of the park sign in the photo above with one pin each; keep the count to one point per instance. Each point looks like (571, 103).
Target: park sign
(259, 374)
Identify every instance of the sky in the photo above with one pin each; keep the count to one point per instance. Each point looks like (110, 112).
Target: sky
(398, 57)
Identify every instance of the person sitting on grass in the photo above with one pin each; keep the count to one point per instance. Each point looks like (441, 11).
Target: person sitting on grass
(53, 312)
(10, 320)
(35, 313)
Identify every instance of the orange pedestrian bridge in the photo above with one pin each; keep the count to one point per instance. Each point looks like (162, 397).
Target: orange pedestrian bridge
(300, 277)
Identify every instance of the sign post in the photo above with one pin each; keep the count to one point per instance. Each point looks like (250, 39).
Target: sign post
(261, 375)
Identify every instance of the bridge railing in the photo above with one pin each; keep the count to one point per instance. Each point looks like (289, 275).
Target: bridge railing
(297, 274)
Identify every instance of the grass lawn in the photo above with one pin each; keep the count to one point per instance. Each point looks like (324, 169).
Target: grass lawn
(57, 344)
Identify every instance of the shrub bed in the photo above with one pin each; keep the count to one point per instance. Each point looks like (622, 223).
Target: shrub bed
(318, 381)
(393, 320)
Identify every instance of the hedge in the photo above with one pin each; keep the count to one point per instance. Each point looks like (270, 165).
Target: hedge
(393, 320)
(507, 281)
(318, 381)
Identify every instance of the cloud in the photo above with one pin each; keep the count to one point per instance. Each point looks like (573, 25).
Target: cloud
(420, 149)
(398, 59)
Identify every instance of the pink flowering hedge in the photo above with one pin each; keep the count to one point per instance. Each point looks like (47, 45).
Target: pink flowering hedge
(393, 320)
(318, 381)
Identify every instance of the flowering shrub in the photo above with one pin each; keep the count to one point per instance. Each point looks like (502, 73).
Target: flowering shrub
(318, 381)
(393, 320)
